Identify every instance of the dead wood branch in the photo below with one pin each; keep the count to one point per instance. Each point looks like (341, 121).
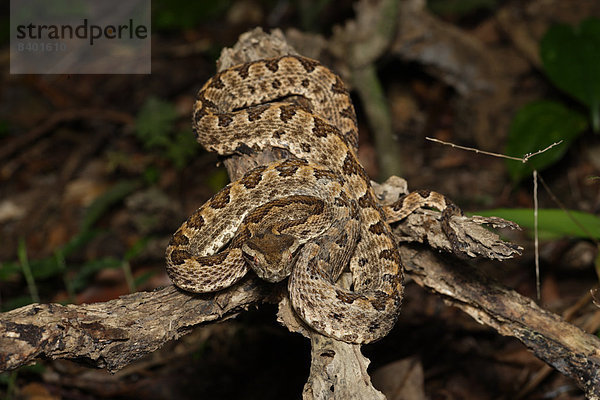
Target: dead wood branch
(567, 348)
(113, 334)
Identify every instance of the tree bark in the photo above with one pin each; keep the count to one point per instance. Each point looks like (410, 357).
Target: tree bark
(113, 334)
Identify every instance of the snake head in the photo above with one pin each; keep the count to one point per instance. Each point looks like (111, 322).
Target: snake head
(271, 255)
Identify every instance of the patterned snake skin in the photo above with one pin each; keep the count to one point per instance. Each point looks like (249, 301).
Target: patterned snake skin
(309, 218)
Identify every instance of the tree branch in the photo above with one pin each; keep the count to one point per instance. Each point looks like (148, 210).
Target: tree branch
(564, 346)
(114, 333)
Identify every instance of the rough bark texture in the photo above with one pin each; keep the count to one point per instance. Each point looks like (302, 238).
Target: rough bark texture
(567, 348)
(113, 334)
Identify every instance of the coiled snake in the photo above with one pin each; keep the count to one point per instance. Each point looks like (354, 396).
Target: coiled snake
(309, 217)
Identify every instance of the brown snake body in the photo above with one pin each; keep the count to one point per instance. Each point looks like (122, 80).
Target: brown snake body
(307, 218)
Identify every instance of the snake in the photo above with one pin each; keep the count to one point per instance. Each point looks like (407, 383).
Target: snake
(307, 218)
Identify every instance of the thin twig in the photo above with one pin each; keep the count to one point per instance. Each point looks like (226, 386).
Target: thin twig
(523, 159)
(536, 235)
(456, 146)
(529, 155)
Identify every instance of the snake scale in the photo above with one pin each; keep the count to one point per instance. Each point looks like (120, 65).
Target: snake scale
(308, 218)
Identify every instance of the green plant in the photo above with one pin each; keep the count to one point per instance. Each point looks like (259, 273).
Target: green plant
(9, 379)
(552, 223)
(571, 57)
(536, 126)
(155, 127)
(571, 61)
(4, 128)
(55, 265)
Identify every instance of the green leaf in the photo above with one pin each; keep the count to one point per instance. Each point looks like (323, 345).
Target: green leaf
(552, 223)
(151, 175)
(78, 241)
(15, 302)
(50, 266)
(89, 269)
(136, 249)
(143, 278)
(182, 148)
(103, 202)
(217, 180)
(4, 128)
(8, 269)
(571, 59)
(535, 127)
(155, 122)
(45, 268)
(155, 127)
